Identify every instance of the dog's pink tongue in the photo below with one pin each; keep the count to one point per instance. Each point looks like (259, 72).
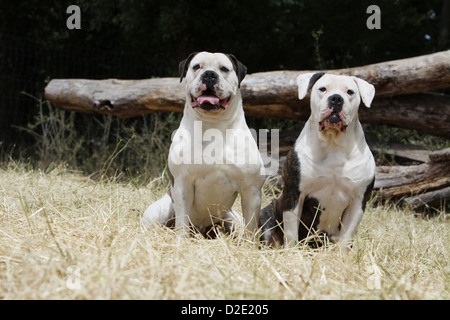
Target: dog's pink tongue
(208, 99)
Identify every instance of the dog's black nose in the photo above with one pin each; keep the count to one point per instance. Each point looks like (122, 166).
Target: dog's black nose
(209, 78)
(335, 102)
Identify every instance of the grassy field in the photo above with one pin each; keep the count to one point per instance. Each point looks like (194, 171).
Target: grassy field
(66, 236)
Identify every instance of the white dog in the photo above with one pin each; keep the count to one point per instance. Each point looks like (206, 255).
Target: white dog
(213, 156)
(329, 173)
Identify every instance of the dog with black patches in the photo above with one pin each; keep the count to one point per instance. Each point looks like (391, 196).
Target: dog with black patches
(213, 156)
(329, 173)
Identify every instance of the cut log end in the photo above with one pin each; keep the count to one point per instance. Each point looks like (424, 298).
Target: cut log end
(418, 185)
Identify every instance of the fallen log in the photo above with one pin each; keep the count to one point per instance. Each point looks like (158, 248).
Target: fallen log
(122, 98)
(425, 112)
(274, 94)
(435, 199)
(403, 152)
(418, 184)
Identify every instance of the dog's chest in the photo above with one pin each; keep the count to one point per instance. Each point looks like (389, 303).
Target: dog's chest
(215, 192)
(330, 183)
(333, 181)
(215, 187)
(334, 171)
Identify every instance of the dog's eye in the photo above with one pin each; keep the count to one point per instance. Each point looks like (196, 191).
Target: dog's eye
(196, 67)
(350, 92)
(322, 89)
(224, 69)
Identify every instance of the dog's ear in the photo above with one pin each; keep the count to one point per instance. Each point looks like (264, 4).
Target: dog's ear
(240, 69)
(305, 82)
(366, 91)
(183, 67)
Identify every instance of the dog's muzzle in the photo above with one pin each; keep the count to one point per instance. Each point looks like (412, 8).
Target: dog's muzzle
(209, 100)
(334, 117)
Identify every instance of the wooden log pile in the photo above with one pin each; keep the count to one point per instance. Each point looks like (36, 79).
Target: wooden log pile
(402, 100)
(417, 185)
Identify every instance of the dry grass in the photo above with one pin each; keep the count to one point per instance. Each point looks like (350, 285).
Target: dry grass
(64, 236)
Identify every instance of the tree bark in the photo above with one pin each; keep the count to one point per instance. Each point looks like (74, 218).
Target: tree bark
(425, 112)
(274, 94)
(414, 181)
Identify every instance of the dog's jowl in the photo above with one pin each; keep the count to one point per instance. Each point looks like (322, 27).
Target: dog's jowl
(329, 173)
(213, 156)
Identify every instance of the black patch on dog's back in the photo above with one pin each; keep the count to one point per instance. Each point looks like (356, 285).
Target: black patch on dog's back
(270, 226)
(310, 218)
(291, 177)
(271, 217)
(367, 194)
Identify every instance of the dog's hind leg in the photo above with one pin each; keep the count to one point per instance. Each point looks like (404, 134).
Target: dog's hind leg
(159, 212)
(270, 225)
(234, 222)
(251, 205)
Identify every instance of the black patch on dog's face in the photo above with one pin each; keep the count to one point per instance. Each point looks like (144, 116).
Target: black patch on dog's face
(183, 66)
(313, 80)
(240, 69)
